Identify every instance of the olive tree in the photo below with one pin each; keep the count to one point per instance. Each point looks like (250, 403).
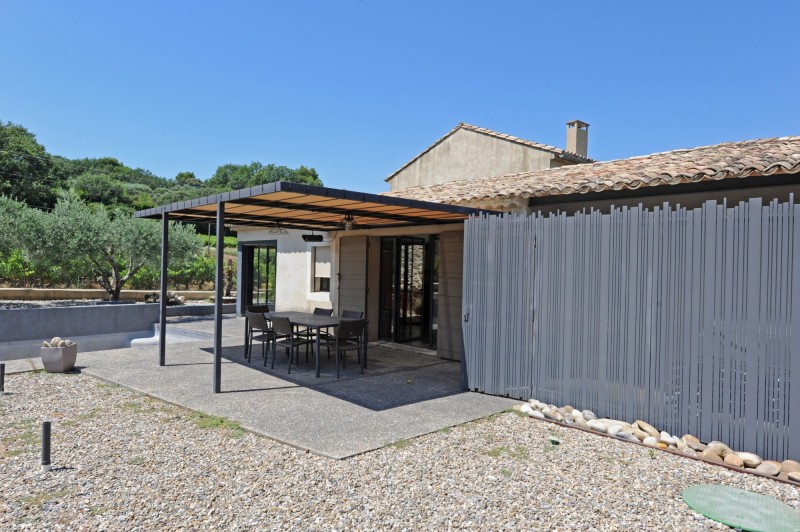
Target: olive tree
(111, 243)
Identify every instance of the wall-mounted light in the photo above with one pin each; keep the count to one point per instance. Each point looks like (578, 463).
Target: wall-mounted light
(278, 230)
(348, 222)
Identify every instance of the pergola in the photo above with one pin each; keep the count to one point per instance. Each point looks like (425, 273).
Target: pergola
(291, 206)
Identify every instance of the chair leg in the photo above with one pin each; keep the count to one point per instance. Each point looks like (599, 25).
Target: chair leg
(249, 347)
(290, 360)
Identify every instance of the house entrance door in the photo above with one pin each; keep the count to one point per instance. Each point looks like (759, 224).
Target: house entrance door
(408, 290)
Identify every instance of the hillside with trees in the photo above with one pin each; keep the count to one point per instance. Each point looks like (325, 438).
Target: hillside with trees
(69, 222)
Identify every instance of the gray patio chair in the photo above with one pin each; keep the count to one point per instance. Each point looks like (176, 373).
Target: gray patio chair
(258, 329)
(323, 332)
(288, 338)
(247, 329)
(349, 336)
(352, 314)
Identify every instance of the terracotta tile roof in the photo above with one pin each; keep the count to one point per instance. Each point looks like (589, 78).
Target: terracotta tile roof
(731, 160)
(569, 156)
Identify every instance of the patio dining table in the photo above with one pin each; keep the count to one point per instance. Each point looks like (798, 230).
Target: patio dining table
(316, 322)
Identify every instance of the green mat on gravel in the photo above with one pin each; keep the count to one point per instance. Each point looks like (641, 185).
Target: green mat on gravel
(741, 509)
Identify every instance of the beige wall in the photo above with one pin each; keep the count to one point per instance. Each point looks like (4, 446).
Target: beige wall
(451, 273)
(471, 155)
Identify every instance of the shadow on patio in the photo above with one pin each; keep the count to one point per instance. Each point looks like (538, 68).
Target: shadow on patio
(393, 377)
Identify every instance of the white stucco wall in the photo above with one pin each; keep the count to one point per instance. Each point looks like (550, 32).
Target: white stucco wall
(471, 155)
(294, 281)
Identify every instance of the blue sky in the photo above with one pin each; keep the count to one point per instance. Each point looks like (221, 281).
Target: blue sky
(357, 88)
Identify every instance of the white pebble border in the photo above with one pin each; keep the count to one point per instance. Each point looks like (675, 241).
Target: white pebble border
(123, 461)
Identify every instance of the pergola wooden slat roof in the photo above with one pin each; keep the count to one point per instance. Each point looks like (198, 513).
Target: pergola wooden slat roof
(307, 207)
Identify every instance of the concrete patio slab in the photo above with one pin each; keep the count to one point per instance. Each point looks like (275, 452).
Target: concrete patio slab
(401, 395)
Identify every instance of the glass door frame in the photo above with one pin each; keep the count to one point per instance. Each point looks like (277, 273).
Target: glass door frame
(247, 254)
(391, 289)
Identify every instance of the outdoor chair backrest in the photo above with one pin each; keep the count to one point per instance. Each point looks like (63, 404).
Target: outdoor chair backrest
(258, 308)
(349, 329)
(352, 314)
(323, 311)
(282, 326)
(257, 320)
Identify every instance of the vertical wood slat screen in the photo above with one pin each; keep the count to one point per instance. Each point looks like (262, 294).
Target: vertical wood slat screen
(689, 319)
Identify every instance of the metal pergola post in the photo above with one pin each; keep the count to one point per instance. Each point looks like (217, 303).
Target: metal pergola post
(218, 297)
(162, 300)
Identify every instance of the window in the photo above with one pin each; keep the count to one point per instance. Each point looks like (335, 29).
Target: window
(321, 257)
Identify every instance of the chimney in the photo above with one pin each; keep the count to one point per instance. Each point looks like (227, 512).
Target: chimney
(578, 137)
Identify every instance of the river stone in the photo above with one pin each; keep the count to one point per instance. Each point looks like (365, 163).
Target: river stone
(625, 435)
(790, 466)
(537, 414)
(526, 409)
(688, 437)
(750, 459)
(579, 422)
(666, 438)
(662, 445)
(553, 414)
(716, 448)
(648, 428)
(616, 422)
(562, 412)
(588, 415)
(696, 446)
(651, 441)
(768, 468)
(794, 476)
(733, 460)
(688, 451)
(640, 434)
(568, 408)
(711, 456)
(613, 430)
(597, 425)
(718, 443)
(680, 444)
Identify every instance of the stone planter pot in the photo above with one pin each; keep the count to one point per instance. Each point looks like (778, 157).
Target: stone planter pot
(59, 359)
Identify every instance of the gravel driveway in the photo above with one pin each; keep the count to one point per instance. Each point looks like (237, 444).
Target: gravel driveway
(123, 461)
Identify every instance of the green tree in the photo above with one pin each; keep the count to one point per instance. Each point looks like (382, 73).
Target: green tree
(236, 176)
(187, 179)
(99, 188)
(112, 244)
(25, 167)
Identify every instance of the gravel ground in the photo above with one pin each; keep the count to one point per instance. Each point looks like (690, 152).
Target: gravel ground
(123, 461)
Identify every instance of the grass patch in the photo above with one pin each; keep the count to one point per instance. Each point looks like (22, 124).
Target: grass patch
(495, 452)
(505, 472)
(400, 444)
(132, 406)
(39, 499)
(107, 385)
(136, 460)
(97, 510)
(446, 430)
(517, 453)
(206, 422)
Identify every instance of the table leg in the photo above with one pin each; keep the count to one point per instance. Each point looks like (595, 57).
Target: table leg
(318, 350)
(364, 360)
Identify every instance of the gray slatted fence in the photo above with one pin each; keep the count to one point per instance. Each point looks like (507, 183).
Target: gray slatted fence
(684, 318)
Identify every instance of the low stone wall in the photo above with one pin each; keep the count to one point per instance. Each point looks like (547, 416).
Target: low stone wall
(38, 294)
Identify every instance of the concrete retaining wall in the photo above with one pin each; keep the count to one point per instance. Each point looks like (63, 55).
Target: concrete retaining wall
(45, 323)
(39, 294)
